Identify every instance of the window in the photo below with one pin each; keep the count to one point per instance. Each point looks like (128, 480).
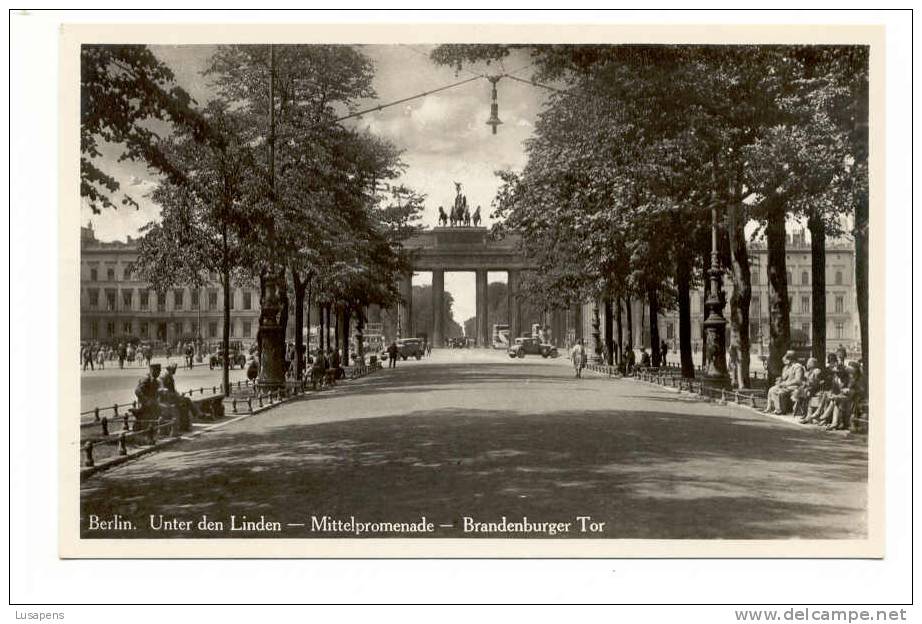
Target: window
(161, 304)
(804, 278)
(840, 330)
(804, 305)
(110, 300)
(212, 299)
(247, 328)
(212, 329)
(840, 305)
(127, 297)
(670, 331)
(194, 294)
(110, 274)
(753, 330)
(177, 299)
(754, 276)
(177, 329)
(94, 274)
(838, 278)
(126, 274)
(94, 298)
(126, 328)
(247, 303)
(94, 329)
(805, 327)
(143, 330)
(755, 304)
(143, 299)
(110, 329)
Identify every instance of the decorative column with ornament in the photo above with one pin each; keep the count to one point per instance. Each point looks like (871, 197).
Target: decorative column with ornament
(715, 324)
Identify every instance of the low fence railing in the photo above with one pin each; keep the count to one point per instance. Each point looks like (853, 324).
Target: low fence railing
(116, 434)
(670, 376)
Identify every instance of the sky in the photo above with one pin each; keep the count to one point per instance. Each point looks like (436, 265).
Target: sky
(444, 137)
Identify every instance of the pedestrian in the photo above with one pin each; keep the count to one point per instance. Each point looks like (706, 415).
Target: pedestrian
(663, 349)
(644, 358)
(392, 355)
(100, 358)
(318, 370)
(629, 360)
(87, 355)
(792, 377)
(122, 355)
(578, 356)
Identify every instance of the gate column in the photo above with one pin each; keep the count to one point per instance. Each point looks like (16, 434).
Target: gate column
(483, 329)
(514, 306)
(406, 306)
(438, 306)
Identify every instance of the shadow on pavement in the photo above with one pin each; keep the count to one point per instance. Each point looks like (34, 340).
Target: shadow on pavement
(646, 474)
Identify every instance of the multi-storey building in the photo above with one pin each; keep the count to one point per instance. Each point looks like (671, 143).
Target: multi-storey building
(115, 304)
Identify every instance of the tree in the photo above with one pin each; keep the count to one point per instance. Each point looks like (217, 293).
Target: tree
(124, 92)
(203, 217)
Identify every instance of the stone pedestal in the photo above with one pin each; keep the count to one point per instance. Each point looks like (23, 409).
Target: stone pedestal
(272, 362)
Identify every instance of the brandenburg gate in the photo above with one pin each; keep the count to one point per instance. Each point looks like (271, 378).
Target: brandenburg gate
(463, 248)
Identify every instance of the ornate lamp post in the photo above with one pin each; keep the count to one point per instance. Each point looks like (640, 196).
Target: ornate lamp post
(596, 333)
(715, 324)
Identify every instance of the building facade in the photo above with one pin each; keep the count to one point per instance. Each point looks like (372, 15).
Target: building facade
(114, 304)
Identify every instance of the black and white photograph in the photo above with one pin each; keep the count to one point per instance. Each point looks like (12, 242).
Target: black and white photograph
(518, 291)
(339, 308)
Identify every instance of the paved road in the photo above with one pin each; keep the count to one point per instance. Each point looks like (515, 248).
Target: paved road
(100, 388)
(479, 435)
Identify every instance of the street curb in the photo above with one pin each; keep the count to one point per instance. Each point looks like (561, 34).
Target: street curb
(89, 471)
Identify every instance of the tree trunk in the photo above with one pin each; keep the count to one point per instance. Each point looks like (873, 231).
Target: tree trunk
(346, 317)
(308, 318)
(818, 286)
(609, 342)
(337, 330)
(225, 335)
(683, 284)
(630, 323)
(705, 293)
(619, 345)
(779, 305)
(262, 298)
(741, 296)
(861, 275)
(653, 299)
(283, 297)
(321, 328)
(300, 288)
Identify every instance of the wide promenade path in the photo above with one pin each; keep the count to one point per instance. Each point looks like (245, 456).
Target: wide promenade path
(477, 434)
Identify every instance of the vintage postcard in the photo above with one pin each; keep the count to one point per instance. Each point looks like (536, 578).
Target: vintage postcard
(471, 291)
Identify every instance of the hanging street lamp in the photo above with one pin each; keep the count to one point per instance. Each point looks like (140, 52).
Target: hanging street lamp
(494, 107)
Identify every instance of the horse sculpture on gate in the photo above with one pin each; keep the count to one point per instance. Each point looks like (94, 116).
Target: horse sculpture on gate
(443, 218)
(477, 217)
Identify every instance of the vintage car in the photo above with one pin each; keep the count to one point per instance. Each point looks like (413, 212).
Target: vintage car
(531, 346)
(238, 356)
(406, 348)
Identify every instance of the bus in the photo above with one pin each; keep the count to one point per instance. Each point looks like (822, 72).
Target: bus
(500, 336)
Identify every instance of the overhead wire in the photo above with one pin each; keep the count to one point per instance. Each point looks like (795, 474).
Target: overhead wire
(380, 107)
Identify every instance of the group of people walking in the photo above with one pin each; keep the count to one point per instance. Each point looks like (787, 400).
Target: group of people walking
(95, 355)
